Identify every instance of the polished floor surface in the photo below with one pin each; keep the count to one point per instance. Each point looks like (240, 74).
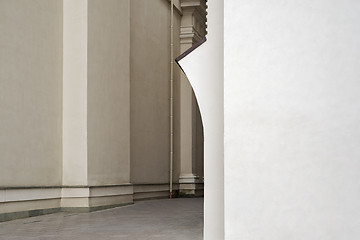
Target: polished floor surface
(176, 219)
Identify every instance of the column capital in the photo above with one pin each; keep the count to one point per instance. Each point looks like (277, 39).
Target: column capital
(198, 4)
(193, 22)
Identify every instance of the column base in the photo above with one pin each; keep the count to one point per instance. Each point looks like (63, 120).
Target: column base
(93, 198)
(190, 186)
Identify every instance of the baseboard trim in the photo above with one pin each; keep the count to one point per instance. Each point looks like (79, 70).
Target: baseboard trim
(147, 191)
(23, 202)
(4, 217)
(191, 190)
(93, 209)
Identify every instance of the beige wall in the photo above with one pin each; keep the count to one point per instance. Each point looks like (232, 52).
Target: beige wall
(199, 145)
(30, 92)
(150, 86)
(108, 92)
(84, 100)
(177, 94)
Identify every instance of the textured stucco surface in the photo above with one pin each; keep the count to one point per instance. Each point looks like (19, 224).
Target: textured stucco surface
(31, 92)
(108, 92)
(292, 132)
(150, 90)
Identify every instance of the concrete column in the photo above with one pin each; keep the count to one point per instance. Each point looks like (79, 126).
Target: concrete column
(207, 81)
(193, 29)
(75, 159)
(96, 105)
(75, 27)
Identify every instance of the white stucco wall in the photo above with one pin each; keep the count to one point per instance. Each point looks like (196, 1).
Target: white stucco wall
(292, 114)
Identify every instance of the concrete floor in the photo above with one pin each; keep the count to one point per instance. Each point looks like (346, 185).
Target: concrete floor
(176, 219)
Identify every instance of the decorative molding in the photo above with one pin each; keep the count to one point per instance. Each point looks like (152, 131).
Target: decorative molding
(32, 198)
(15, 194)
(28, 194)
(91, 196)
(191, 185)
(22, 202)
(189, 178)
(189, 35)
(198, 4)
(76, 198)
(193, 22)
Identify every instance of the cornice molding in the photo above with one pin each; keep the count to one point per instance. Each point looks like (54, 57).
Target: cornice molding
(201, 4)
(176, 5)
(198, 6)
